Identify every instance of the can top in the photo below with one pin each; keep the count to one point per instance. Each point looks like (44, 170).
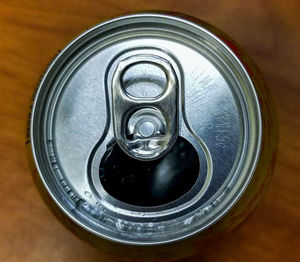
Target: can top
(146, 93)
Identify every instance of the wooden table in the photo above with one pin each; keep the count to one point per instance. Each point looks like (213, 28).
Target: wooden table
(31, 32)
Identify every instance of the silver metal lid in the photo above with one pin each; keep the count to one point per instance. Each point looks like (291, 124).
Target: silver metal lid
(184, 84)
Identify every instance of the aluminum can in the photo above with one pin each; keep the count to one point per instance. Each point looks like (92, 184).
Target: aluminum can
(151, 134)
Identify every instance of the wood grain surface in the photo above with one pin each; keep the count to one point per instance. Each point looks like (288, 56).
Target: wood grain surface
(31, 33)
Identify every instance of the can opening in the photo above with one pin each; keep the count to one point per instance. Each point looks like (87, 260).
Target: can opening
(150, 183)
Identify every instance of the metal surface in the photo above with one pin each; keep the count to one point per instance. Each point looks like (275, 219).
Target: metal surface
(218, 113)
(150, 122)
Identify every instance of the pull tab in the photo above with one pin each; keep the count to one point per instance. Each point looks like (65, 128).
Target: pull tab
(145, 127)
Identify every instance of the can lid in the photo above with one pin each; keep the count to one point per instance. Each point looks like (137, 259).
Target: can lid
(146, 94)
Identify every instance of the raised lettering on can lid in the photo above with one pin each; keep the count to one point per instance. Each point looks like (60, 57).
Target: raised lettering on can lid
(146, 129)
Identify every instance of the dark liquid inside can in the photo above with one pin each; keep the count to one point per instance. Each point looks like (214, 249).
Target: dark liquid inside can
(150, 183)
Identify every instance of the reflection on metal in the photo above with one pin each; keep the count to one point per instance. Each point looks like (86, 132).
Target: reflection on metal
(143, 82)
(151, 123)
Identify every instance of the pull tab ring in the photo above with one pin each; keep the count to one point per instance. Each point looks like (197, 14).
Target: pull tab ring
(145, 127)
